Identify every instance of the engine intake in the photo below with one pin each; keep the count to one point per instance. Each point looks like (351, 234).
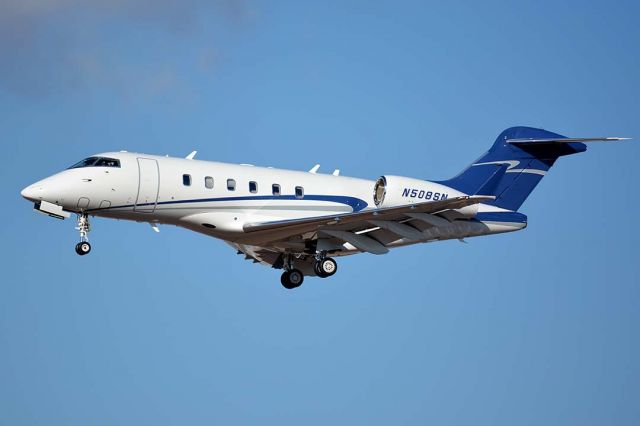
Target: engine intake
(390, 191)
(380, 190)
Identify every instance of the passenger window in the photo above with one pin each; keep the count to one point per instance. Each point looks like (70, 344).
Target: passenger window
(231, 184)
(253, 187)
(299, 192)
(186, 180)
(208, 182)
(275, 189)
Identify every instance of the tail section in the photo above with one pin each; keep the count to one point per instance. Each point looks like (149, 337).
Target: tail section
(515, 164)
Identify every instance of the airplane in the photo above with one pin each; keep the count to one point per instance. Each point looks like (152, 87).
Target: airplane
(300, 221)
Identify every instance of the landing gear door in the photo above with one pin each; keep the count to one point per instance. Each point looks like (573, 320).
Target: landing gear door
(148, 185)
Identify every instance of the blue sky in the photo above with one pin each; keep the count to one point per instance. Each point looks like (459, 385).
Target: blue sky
(535, 327)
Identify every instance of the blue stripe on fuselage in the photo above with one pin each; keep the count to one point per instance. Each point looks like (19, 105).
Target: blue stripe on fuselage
(355, 203)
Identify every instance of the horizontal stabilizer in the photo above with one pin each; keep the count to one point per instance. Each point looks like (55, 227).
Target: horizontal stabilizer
(526, 141)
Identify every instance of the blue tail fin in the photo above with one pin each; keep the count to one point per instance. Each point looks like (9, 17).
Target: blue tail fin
(511, 171)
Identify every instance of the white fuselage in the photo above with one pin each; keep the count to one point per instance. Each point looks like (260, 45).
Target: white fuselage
(218, 199)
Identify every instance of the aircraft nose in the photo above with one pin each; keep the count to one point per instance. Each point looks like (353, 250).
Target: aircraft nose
(32, 192)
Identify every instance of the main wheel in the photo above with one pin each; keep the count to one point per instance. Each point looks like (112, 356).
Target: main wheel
(326, 267)
(83, 248)
(291, 279)
(318, 271)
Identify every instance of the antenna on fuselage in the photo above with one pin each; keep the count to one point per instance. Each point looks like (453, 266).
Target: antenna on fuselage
(190, 156)
(314, 169)
(336, 172)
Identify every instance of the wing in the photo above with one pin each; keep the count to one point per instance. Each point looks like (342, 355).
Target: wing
(291, 234)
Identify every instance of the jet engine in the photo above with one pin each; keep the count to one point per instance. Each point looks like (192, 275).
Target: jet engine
(390, 191)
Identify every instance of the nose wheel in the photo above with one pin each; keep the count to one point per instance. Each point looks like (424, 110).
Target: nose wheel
(83, 247)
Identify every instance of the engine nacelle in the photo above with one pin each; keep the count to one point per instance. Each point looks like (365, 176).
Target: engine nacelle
(392, 191)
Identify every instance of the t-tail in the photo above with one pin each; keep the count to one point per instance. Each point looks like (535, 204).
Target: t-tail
(516, 163)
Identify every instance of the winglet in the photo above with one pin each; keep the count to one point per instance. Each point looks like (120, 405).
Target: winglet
(190, 156)
(314, 169)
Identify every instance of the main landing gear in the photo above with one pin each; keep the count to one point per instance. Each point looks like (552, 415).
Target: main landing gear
(325, 267)
(291, 279)
(322, 266)
(83, 247)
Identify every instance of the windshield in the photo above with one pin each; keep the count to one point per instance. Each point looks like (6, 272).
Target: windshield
(96, 162)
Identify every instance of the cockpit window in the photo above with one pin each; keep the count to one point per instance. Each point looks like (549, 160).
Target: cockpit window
(85, 163)
(107, 162)
(96, 162)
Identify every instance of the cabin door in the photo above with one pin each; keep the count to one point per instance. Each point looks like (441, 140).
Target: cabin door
(148, 185)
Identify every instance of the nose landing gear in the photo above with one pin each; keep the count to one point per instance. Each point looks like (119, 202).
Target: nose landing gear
(83, 247)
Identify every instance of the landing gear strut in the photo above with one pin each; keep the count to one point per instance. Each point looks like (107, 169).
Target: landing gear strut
(291, 278)
(83, 247)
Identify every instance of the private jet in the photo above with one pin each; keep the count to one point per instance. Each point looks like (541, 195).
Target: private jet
(300, 222)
